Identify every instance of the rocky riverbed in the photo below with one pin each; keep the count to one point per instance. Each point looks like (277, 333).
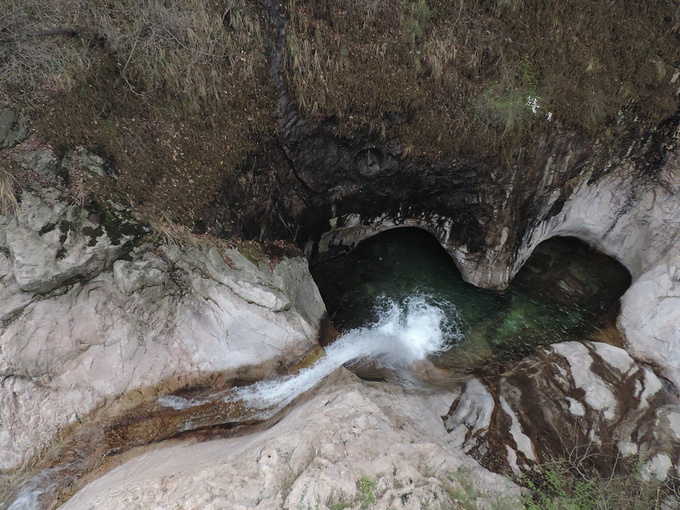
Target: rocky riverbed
(99, 322)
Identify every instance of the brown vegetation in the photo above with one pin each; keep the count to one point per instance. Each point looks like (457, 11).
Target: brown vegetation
(177, 93)
(469, 72)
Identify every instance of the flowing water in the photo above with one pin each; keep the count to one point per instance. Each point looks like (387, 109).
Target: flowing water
(565, 291)
(398, 300)
(402, 334)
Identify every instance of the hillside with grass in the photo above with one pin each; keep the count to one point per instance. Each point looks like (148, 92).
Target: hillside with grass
(177, 95)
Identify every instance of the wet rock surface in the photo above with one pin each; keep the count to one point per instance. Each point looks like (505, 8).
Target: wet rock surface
(354, 444)
(589, 402)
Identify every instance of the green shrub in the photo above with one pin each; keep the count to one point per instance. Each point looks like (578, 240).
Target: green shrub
(569, 485)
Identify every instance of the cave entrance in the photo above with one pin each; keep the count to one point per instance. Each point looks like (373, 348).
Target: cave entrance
(565, 291)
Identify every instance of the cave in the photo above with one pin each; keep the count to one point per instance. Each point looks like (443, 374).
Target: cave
(564, 291)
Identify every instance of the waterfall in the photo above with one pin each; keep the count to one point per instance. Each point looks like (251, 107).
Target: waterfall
(404, 333)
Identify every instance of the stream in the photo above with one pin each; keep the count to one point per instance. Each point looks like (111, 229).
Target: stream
(398, 301)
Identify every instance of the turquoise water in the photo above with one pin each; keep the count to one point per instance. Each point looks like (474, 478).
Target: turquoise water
(565, 291)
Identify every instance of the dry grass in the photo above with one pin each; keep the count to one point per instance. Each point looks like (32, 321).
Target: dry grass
(569, 483)
(8, 189)
(38, 50)
(188, 48)
(177, 93)
(459, 69)
(174, 94)
(167, 232)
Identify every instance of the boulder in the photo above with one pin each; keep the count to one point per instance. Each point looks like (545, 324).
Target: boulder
(51, 242)
(588, 402)
(91, 318)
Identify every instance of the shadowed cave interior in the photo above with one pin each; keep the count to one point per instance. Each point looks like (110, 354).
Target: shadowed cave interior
(565, 291)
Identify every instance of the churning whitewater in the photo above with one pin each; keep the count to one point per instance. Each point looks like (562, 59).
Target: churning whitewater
(403, 334)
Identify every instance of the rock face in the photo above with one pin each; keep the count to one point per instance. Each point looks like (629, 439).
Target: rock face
(357, 444)
(88, 316)
(13, 128)
(627, 208)
(634, 219)
(51, 243)
(587, 402)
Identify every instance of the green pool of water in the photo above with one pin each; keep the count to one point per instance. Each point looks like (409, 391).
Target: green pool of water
(565, 291)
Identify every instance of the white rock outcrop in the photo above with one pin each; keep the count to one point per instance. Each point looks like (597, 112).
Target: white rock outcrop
(82, 325)
(569, 400)
(354, 444)
(637, 221)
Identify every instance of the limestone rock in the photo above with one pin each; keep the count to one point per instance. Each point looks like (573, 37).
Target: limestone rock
(246, 279)
(86, 163)
(13, 128)
(566, 400)
(650, 317)
(43, 162)
(347, 445)
(154, 321)
(51, 242)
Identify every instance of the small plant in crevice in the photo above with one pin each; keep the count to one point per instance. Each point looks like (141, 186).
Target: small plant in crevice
(340, 506)
(511, 104)
(289, 481)
(462, 491)
(367, 492)
(414, 21)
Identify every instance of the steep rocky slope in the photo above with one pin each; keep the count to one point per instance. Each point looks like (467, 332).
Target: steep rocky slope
(96, 322)
(492, 124)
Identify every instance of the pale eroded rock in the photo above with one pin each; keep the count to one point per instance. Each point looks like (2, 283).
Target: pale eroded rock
(314, 458)
(567, 400)
(51, 242)
(162, 316)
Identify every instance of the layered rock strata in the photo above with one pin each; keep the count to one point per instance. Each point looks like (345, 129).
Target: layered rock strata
(355, 444)
(91, 313)
(589, 403)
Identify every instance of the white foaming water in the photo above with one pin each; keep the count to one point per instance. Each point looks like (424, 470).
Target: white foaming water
(28, 498)
(404, 334)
